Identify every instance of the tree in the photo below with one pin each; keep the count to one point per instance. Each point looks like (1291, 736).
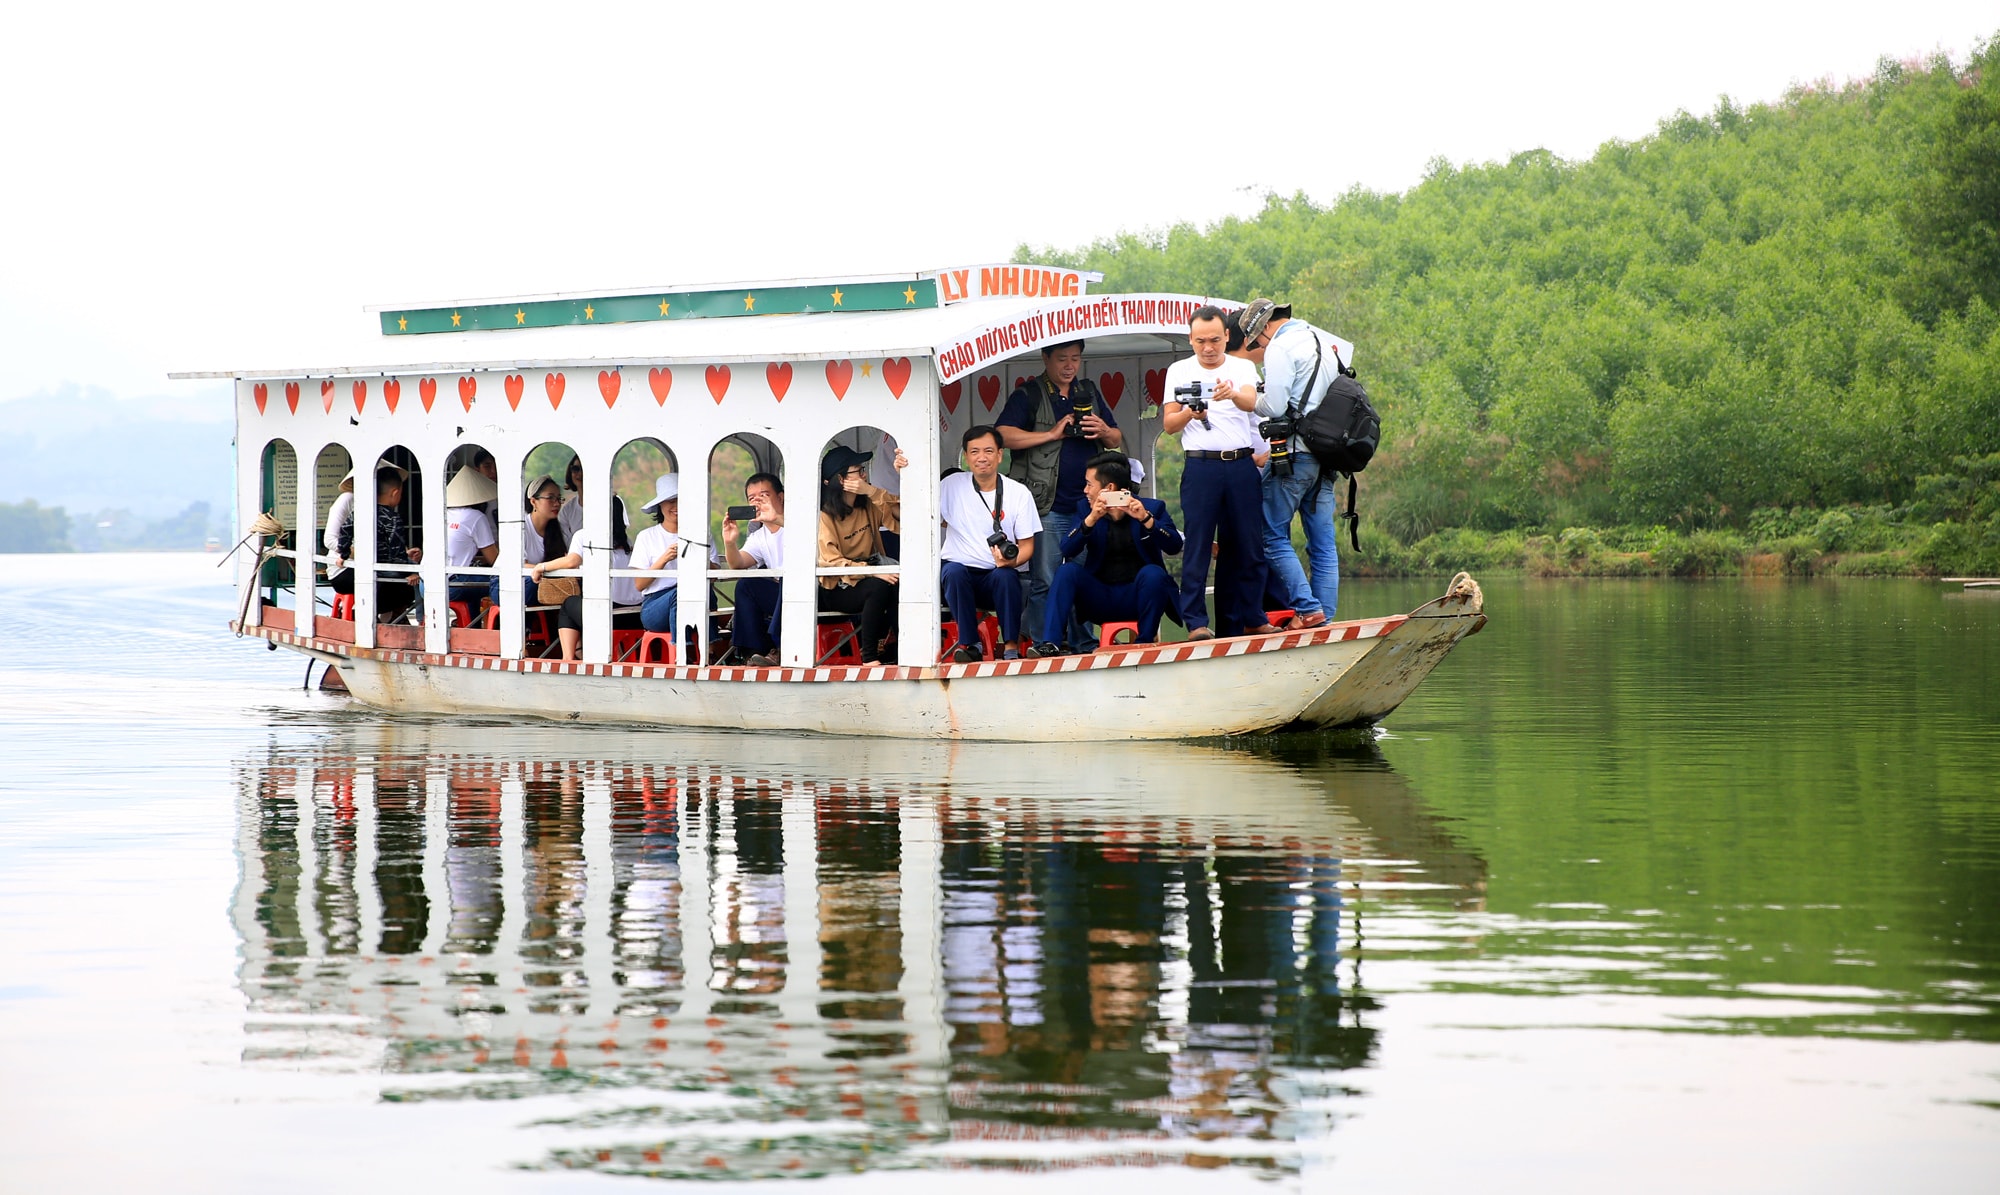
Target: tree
(31, 528)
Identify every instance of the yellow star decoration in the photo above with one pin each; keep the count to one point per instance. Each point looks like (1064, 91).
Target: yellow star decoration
(663, 306)
(589, 312)
(520, 316)
(836, 298)
(867, 369)
(402, 323)
(909, 294)
(749, 302)
(454, 319)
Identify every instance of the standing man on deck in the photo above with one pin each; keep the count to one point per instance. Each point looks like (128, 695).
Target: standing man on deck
(1054, 424)
(1290, 350)
(1220, 494)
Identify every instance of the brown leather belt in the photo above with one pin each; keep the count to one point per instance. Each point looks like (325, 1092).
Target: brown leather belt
(1227, 454)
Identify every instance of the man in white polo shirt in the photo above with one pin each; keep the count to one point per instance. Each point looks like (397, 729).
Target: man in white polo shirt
(757, 625)
(990, 524)
(1221, 491)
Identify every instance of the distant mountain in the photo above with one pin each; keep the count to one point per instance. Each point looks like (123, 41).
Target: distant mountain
(88, 451)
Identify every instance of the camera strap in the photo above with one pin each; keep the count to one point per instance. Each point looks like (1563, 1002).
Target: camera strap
(995, 507)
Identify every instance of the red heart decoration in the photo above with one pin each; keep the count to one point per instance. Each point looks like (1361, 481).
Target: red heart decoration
(989, 390)
(661, 380)
(553, 383)
(839, 375)
(468, 387)
(514, 387)
(1113, 385)
(896, 372)
(608, 382)
(950, 393)
(262, 394)
(427, 390)
(326, 395)
(360, 395)
(718, 381)
(779, 375)
(392, 393)
(292, 396)
(1156, 385)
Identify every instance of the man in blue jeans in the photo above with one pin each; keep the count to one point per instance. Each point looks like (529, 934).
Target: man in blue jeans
(1288, 349)
(1054, 424)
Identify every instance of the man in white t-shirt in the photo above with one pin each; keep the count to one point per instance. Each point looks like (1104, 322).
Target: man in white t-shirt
(1211, 401)
(977, 572)
(756, 628)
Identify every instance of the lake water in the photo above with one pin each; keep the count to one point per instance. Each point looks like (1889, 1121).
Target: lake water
(1652, 886)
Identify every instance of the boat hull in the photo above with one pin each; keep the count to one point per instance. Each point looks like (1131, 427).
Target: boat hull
(1343, 674)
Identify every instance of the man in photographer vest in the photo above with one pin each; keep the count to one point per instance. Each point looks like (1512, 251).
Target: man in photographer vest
(990, 525)
(1053, 425)
(1288, 349)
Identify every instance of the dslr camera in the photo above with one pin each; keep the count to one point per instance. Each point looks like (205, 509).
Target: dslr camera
(1279, 432)
(1080, 405)
(1008, 548)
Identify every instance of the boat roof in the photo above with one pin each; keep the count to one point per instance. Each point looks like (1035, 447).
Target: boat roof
(945, 314)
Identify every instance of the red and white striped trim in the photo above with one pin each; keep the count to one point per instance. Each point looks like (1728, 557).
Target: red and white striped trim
(1129, 656)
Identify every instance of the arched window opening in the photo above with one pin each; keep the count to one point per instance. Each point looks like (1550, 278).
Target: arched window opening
(279, 496)
(860, 520)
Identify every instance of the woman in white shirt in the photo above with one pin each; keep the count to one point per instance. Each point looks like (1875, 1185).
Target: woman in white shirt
(470, 537)
(657, 547)
(542, 538)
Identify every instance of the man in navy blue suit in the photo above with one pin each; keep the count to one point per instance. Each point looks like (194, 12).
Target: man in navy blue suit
(1123, 540)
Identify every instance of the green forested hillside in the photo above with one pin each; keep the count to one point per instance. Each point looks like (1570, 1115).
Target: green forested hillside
(1729, 328)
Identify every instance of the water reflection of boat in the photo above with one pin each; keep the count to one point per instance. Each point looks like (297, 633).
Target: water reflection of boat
(893, 953)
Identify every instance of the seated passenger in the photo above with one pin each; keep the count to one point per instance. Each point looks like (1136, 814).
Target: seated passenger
(393, 593)
(755, 629)
(852, 516)
(339, 522)
(1123, 576)
(624, 590)
(470, 537)
(657, 547)
(572, 507)
(542, 537)
(990, 524)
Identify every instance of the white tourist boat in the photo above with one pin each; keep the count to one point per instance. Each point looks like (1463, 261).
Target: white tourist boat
(779, 371)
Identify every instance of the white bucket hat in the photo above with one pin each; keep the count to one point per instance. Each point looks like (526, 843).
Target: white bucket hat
(668, 486)
(470, 487)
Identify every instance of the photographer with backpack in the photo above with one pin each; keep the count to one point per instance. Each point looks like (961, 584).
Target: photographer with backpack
(1301, 365)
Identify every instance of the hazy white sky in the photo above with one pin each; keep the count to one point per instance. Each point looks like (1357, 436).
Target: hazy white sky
(204, 185)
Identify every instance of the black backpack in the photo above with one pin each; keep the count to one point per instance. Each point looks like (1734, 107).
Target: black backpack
(1342, 432)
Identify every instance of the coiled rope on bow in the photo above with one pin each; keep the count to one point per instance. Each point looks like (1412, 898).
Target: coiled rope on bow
(267, 526)
(1463, 586)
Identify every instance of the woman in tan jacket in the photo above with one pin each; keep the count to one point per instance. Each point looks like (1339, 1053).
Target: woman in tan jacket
(852, 516)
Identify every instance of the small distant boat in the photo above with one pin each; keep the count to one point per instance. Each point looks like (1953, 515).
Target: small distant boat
(916, 357)
(211, 544)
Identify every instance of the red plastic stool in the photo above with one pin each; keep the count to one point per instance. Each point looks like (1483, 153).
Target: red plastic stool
(623, 643)
(838, 643)
(343, 606)
(989, 637)
(461, 613)
(1279, 618)
(656, 647)
(1107, 635)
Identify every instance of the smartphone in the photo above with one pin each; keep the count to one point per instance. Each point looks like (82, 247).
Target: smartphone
(743, 514)
(1116, 497)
